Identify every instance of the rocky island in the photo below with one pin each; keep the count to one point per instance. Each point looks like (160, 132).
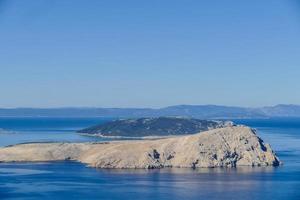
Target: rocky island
(149, 127)
(222, 147)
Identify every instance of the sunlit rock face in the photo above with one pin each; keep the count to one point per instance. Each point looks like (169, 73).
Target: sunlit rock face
(223, 147)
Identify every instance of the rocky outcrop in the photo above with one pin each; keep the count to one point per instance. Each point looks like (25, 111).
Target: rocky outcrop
(223, 147)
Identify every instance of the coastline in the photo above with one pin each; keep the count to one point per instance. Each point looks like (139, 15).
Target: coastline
(129, 137)
(223, 147)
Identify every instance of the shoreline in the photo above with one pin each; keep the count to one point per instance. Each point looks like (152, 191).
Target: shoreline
(223, 147)
(131, 137)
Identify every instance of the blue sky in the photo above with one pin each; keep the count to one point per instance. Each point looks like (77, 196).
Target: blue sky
(140, 53)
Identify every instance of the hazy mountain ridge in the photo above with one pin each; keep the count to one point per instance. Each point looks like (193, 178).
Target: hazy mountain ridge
(195, 111)
(282, 110)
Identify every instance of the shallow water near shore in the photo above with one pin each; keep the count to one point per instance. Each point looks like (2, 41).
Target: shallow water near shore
(67, 180)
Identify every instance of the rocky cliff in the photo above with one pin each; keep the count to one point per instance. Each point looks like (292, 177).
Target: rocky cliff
(223, 147)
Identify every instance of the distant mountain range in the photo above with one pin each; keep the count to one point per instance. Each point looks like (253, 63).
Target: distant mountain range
(195, 111)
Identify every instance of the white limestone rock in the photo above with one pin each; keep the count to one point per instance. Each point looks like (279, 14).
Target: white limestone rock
(223, 147)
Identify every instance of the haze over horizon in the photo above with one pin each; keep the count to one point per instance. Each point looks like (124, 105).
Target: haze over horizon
(149, 54)
(177, 105)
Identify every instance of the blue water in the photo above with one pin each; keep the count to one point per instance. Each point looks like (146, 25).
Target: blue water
(23, 130)
(69, 180)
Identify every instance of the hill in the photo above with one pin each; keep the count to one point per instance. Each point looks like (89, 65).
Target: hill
(161, 126)
(223, 147)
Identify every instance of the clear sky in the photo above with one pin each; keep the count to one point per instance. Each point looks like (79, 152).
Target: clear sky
(141, 53)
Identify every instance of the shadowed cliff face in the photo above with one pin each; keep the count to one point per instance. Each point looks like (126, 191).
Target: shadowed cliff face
(223, 147)
(160, 126)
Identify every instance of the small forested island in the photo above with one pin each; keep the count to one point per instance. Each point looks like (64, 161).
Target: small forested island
(160, 126)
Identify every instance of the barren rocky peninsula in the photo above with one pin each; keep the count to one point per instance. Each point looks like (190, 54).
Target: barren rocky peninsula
(221, 147)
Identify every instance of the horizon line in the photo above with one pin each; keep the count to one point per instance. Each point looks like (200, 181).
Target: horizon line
(153, 108)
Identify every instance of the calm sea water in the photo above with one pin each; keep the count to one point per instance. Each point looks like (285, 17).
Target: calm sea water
(69, 180)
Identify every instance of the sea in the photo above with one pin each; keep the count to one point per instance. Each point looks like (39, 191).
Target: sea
(72, 180)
